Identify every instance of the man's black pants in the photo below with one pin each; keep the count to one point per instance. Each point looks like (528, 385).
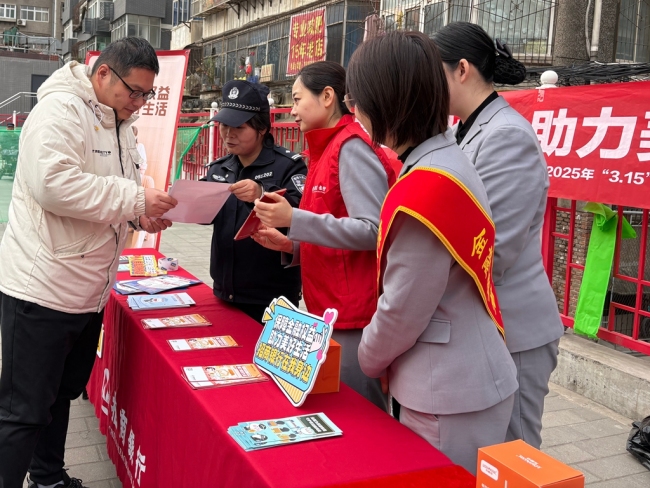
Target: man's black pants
(47, 358)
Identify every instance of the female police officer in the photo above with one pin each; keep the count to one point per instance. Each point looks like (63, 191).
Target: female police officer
(246, 275)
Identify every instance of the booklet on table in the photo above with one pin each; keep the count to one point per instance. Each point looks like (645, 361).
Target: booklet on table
(145, 265)
(232, 374)
(261, 434)
(156, 302)
(153, 285)
(197, 343)
(192, 320)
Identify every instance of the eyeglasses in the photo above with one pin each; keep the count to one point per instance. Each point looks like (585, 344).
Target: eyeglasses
(136, 93)
(349, 103)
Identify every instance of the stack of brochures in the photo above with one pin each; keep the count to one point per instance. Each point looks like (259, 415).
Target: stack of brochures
(262, 434)
(153, 285)
(156, 302)
(232, 374)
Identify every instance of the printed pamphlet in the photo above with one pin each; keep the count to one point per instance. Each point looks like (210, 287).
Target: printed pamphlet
(154, 285)
(193, 320)
(197, 343)
(211, 376)
(155, 302)
(146, 265)
(261, 434)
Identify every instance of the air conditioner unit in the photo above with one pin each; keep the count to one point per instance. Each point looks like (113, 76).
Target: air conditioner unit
(21, 22)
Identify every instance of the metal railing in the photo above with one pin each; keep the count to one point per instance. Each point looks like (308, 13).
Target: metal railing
(24, 43)
(15, 108)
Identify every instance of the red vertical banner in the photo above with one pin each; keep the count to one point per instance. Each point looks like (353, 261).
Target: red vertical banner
(156, 128)
(307, 40)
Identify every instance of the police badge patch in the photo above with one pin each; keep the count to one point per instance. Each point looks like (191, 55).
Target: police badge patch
(299, 182)
(234, 93)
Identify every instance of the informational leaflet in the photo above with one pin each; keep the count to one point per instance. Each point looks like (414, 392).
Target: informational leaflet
(210, 376)
(153, 285)
(146, 265)
(261, 434)
(199, 202)
(156, 302)
(198, 343)
(192, 320)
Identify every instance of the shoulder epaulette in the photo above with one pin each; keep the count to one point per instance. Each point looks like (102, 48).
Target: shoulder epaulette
(287, 154)
(220, 160)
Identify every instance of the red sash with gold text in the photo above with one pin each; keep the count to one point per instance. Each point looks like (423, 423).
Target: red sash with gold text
(449, 210)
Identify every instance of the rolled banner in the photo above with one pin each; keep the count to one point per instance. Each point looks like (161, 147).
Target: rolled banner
(168, 264)
(598, 267)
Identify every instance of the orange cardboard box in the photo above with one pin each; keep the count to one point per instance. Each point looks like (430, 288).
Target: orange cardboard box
(329, 374)
(518, 465)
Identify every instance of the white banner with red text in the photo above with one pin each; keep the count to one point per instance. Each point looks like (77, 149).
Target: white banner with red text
(156, 127)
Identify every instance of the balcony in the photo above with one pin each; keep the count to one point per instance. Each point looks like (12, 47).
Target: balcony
(203, 8)
(94, 27)
(66, 46)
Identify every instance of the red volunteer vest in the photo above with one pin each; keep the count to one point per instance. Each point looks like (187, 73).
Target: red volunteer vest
(335, 278)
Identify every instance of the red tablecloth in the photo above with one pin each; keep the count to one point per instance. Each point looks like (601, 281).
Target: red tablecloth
(161, 433)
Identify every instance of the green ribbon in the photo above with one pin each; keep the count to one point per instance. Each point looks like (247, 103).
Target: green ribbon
(598, 268)
(194, 134)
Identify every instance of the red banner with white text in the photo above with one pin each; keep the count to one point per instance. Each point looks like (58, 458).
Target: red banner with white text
(307, 40)
(596, 140)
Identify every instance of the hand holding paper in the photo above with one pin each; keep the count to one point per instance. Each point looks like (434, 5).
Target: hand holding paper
(157, 202)
(276, 214)
(199, 202)
(247, 190)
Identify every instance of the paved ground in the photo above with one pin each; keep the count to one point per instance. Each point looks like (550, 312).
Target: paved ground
(576, 430)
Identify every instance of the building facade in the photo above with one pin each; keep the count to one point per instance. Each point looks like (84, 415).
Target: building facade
(233, 35)
(90, 25)
(26, 24)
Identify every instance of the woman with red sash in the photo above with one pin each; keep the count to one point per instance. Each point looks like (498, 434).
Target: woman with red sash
(333, 235)
(437, 334)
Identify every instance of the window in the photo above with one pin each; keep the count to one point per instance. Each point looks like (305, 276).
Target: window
(7, 11)
(93, 10)
(434, 18)
(180, 11)
(413, 19)
(119, 29)
(137, 25)
(36, 14)
(633, 43)
(67, 31)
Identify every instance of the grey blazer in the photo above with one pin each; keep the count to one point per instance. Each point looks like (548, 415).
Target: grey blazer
(431, 332)
(504, 149)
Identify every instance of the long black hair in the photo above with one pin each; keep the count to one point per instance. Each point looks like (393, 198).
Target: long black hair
(318, 76)
(464, 40)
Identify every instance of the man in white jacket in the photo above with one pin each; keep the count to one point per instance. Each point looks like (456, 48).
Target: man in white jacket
(77, 190)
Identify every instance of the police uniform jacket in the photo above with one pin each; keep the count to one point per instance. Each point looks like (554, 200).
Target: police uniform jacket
(243, 271)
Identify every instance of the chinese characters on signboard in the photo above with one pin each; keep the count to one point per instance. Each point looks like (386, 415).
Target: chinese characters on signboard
(596, 140)
(292, 347)
(307, 40)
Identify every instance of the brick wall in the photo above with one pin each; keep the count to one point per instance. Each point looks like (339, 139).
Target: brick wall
(582, 231)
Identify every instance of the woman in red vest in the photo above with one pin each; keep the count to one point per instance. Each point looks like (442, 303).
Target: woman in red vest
(333, 235)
